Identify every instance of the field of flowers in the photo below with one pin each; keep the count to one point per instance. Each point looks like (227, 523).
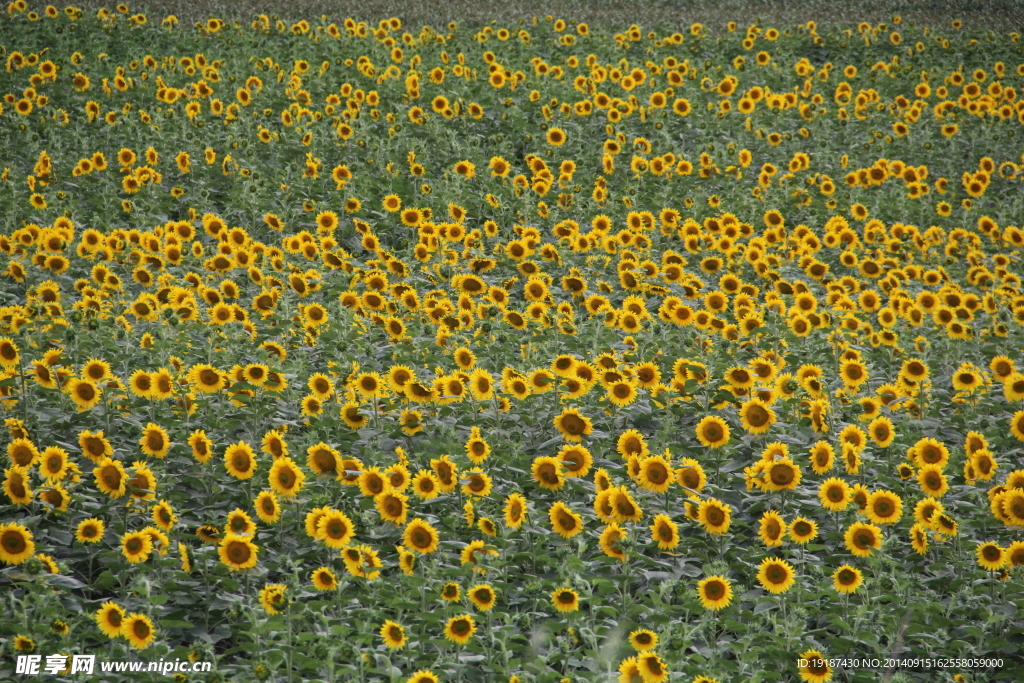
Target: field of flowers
(342, 350)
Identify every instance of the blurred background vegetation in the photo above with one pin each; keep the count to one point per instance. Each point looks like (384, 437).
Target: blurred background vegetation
(996, 15)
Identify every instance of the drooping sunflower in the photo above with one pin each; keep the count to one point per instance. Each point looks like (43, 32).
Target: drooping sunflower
(862, 539)
(846, 579)
(393, 634)
(715, 592)
(237, 552)
(565, 600)
(712, 431)
(16, 544)
(460, 629)
(775, 575)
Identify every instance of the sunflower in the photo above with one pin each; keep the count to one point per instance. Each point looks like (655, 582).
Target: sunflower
(714, 515)
(622, 393)
(631, 442)
(655, 474)
(154, 441)
(136, 546)
(240, 460)
(393, 634)
(928, 451)
(573, 425)
(286, 478)
(110, 617)
(515, 510)
(16, 544)
(775, 575)
(272, 597)
(206, 378)
(652, 669)
(335, 529)
(772, 529)
(611, 537)
(665, 532)
(691, 475)
(163, 515)
(564, 521)
(422, 676)
(712, 432)
(239, 523)
(420, 537)
(781, 475)
(715, 592)
(482, 596)
(991, 557)
(643, 640)
(477, 448)
(460, 629)
(576, 460)
(834, 494)
(862, 539)
(202, 447)
(846, 579)
(111, 478)
(1017, 425)
(94, 445)
(565, 600)
(813, 667)
(84, 394)
(9, 355)
(23, 452)
(756, 417)
(882, 431)
(932, 481)
(884, 507)
(267, 507)
(803, 530)
(547, 472)
(90, 530)
(16, 485)
(392, 506)
(237, 552)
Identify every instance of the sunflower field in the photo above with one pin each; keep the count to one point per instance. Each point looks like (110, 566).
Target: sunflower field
(349, 350)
